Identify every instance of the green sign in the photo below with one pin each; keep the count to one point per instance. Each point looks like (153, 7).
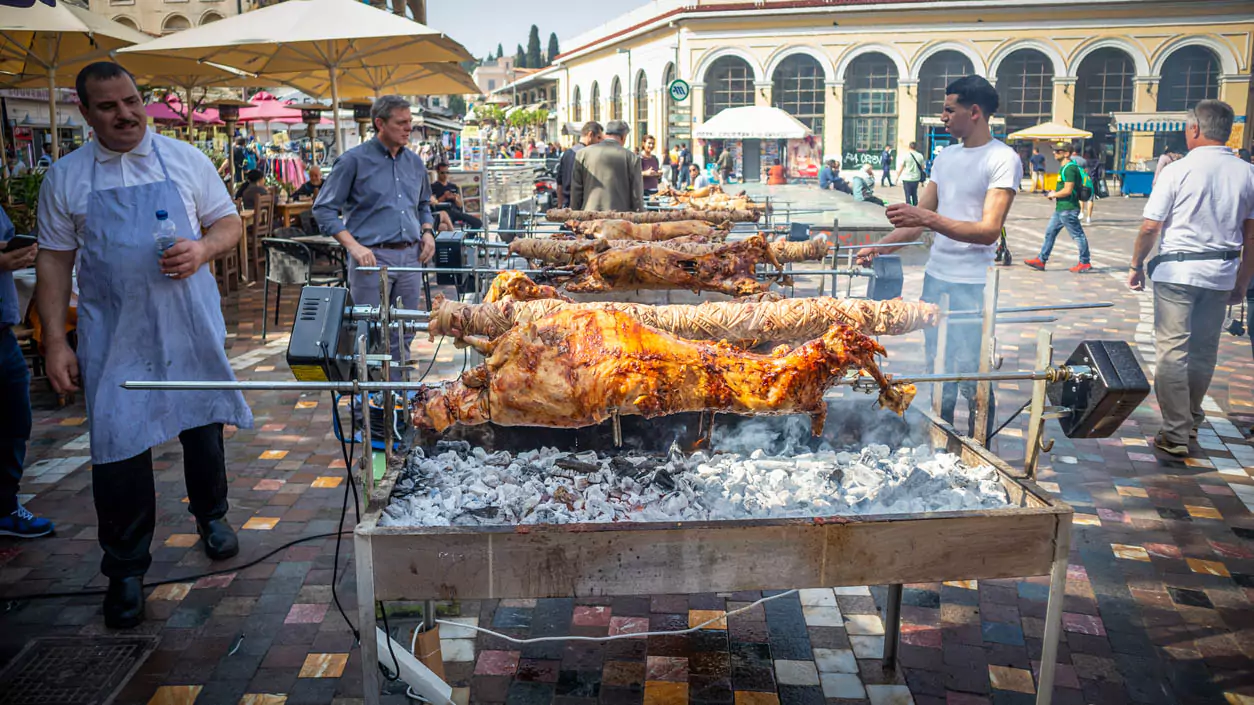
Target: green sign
(679, 90)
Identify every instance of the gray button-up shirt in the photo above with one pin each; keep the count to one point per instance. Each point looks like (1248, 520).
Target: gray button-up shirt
(383, 199)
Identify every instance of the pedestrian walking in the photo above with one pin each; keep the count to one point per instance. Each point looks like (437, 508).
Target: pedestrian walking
(965, 204)
(685, 161)
(650, 169)
(1171, 154)
(886, 165)
(725, 166)
(672, 162)
(1096, 171)
(1201, 216)
(145, 309)
(607, 175)
(910, 173)
(863, 184)
(1067, 197)
(590, 134)
(1037, 164)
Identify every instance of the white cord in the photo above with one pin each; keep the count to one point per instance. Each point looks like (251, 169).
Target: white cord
(640, 635)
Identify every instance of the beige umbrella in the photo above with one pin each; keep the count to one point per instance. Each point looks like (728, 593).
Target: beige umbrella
(339, 37)
(373, 81)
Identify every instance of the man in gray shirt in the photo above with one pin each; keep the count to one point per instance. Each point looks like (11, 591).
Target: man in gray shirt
(607, 176)
(591, 134)
(377, 204)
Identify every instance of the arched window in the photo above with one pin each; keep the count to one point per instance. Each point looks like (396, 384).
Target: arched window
(174, 23)
(595, 108)
(1190, 75)
(642, 105)
(1025, 81)
(576, 107)
(728, 84)
(616, 100)
(798, 90)
(210, 16)
(1103, 86)
(940, 70)
(870, 105)
(126, 21)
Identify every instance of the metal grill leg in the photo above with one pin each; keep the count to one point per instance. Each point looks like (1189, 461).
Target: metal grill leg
(892, 625)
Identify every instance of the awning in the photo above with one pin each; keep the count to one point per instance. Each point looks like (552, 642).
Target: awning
(754, 122)
(1049, 131)
(440, 123)
(1148, 122)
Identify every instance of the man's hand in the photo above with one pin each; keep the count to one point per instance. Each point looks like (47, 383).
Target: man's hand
(1136, 279)
(61, 365)
(906, 216)
(361, 255)
(865, 255)
(1237, 295)
(184, 258)
(19, 259)
(427, 252)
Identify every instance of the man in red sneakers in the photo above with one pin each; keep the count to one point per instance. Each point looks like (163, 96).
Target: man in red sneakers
(1066, 198)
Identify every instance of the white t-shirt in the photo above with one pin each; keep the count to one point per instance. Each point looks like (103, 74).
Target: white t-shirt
(67, 185)
(1203, 201)
(910, 164)
(963, 177)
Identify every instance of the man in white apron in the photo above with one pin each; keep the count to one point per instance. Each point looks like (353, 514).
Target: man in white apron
(142, 315)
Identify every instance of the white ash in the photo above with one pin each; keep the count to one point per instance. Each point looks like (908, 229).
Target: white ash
(461, 486)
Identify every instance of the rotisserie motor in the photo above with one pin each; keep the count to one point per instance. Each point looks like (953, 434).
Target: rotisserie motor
(745, 324)
(577, 368)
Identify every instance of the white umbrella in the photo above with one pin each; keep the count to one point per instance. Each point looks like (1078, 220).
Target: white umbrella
(336, 36)
(754, 122)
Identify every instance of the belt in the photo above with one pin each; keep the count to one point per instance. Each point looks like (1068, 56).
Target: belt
(1225, 255)
(393, 245)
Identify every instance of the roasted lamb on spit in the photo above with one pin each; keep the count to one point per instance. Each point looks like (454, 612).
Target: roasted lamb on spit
(577, 368)
(562, 252)
(747, 324)
(516, 286)
(562, 215)
(649, 232)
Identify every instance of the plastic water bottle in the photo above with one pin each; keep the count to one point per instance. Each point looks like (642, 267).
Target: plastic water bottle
(164, 232)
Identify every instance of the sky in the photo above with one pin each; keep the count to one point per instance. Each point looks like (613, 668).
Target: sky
(480, 24)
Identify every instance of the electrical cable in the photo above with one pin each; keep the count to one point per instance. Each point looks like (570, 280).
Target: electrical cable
(387, 631)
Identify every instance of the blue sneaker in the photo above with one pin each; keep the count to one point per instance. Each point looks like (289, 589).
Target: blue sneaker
(22, 524)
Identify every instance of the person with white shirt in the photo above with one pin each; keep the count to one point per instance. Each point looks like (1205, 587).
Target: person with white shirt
(910, 173)
(1201, 214)
(143, 314)
(965, 204)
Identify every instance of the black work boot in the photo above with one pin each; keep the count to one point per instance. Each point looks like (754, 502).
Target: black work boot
(219, 537)
(124, 602)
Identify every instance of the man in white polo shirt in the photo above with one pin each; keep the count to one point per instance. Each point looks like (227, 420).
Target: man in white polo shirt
(965, 203)
(1201, 212)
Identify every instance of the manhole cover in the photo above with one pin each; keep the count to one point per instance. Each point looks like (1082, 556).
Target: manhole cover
(73, 670)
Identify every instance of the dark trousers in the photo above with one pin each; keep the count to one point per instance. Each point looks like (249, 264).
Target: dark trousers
(15, 418)
(1249, 313)
(126, 500)
(460, 216)
(962, 346)
(887, 175)
(912, 192)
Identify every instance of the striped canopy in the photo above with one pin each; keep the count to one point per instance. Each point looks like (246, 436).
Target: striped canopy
(1148, 122)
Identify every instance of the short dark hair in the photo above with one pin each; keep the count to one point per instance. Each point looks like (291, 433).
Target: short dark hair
(99, 71)
(914, 145)
(592, 128)
(254, 176)
(975, 90)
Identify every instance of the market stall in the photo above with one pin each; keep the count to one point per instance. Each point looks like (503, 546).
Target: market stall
(1042, 138)
(759, 137)
(1136, 138)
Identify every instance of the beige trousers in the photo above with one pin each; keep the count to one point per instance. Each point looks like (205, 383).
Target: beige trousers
(1187, 324)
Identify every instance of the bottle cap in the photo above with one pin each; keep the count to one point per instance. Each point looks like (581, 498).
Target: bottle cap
(162, 215)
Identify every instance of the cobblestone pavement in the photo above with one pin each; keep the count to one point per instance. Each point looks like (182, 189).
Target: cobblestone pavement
(1159, 589)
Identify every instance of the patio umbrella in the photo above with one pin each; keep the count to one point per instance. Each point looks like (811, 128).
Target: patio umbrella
(754, 122)
(374, 81)
(339, 37)
(171, 110)
(1049, 131)
(267, 108)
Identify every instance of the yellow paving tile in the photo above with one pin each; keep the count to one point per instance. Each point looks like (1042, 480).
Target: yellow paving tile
(1208, 567)
(1131, 553)
(1203, 512)
(1198, 463)
(309, 404)
(965, 584)
(327, 482)
(1238, 699)
(668, 693)
(261, 523)
(175, 695)
(74, 421)
(749, 697)
(1135, 442)
(1132, 491)
(171, 591)
(1016, 679)
(324, 665)
(182, 540)
(274, 455)
(1085, 519)
(263, 699)
(696, 617)
(264, 368)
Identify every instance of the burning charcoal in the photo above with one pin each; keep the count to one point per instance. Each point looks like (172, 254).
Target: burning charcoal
(461, 448)
(576, 465)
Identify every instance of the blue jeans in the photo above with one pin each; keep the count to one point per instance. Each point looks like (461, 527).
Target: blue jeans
(1070, 220)
(962, 347)
(1249, 313)
(15, 418)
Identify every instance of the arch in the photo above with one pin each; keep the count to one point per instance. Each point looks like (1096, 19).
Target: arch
(576, 107)
(616, 99)
(893, 54)
(709, 58)
(729, 83)
(126, 21)
(798, 87)
(1046, 48)
(640, 99)
(1227, 59)
(210, 16)
(977, 61)
(825, 61)
(174, 23)
(594, 102)
(1189, 74)
(1139, 59)
(934, 74)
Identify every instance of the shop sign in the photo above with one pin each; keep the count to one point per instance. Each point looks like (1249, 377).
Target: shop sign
(679, 90)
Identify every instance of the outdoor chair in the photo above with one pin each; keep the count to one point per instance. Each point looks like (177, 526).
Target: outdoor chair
(292, 263)
(263, 227)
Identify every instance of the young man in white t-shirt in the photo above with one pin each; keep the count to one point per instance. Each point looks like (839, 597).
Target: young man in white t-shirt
(965, 204)
(1201, 214)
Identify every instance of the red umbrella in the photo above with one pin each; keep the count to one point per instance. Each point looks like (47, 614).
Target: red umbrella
(269, 109)
(170, 111)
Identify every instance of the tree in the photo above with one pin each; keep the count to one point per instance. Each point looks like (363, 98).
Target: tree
(520, 58)
(500, 50)
(553, 50)
(535, 60)
(457, 105)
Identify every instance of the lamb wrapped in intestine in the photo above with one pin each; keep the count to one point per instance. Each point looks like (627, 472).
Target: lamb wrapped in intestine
(649, 232)
(515, 286)
(563, 252)
(564, 215)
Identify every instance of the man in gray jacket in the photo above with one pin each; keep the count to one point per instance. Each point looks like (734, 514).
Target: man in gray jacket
(607, 175)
